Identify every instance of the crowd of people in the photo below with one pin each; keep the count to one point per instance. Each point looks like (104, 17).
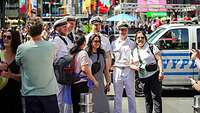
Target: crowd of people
(27, 68)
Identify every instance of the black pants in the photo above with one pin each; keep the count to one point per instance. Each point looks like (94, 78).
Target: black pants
(152, 92)
(77, 89)
(11, 104)
(41, 104)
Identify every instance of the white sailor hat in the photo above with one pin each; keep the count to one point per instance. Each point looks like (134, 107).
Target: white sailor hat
(96, 19)
(59, 22)
(122, 24)
(70, 18)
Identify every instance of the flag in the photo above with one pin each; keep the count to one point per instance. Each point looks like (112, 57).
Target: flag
(22, 6)
(29, 8)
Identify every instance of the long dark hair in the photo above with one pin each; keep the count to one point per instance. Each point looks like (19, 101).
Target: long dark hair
(15, 42)
(79, 40)
(89, 45)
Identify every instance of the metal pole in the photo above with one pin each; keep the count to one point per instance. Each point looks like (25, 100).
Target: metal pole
(86, 104)
(196, 105)
(97, 9)
(2, 13)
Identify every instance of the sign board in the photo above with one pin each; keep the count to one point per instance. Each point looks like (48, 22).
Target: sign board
(155, 5)
(156, 14)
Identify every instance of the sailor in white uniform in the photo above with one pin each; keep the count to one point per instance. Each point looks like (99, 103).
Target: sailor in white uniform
(123, 75)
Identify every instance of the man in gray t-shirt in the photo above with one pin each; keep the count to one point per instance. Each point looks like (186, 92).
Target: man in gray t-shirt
(39, 85)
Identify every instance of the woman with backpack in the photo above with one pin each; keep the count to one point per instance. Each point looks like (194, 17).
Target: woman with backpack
(83, 68)
(97, 55)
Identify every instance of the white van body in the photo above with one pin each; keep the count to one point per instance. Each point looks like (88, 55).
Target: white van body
(175, 41)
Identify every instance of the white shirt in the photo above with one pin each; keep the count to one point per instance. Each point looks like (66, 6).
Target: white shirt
(146, 56)
(122, 50)
(105, 43)
(61, 48)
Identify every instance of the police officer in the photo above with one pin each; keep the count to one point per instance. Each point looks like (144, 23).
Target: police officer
(123, 75)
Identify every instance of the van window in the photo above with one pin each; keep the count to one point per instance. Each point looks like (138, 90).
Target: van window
(154, 34)
(198, 38)
(174, 39)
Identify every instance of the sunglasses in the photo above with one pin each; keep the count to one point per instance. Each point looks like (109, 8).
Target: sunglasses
(140, 37)
(9, 37)
(96, 41)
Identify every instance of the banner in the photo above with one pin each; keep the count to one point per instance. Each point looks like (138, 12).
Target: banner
(151, 5)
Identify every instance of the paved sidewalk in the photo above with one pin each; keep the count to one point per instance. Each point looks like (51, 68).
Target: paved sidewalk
(170, 105)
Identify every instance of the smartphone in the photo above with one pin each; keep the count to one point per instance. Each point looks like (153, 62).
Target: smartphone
(194, 46)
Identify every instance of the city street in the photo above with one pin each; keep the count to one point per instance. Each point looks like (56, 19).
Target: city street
(173, 102)
(170, 105)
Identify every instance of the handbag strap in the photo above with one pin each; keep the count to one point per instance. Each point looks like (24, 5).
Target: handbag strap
(97, 57)
(151, 49)
(140, 60)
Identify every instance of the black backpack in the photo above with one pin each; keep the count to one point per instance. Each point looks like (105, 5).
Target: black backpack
(64, 70)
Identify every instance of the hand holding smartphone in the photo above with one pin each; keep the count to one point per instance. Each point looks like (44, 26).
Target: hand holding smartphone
(192, 80)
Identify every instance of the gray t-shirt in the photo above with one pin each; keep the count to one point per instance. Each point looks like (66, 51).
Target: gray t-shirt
(37, 73)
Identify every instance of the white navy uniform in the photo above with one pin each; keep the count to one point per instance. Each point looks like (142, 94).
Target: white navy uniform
(122, 74)
(61, 50)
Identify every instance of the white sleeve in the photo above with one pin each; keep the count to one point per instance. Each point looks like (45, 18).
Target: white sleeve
(197, 61)
(83, 58)
(108, 45)
(155, 49)
(135, 56)
(57, 43)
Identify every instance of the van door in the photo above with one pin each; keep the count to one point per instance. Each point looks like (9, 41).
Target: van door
(174, 46)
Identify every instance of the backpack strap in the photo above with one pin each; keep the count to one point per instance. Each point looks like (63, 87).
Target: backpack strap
(53, 34)
(63, 39)
(71, 37)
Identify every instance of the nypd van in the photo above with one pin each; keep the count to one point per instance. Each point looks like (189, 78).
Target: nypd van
(175, 41)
